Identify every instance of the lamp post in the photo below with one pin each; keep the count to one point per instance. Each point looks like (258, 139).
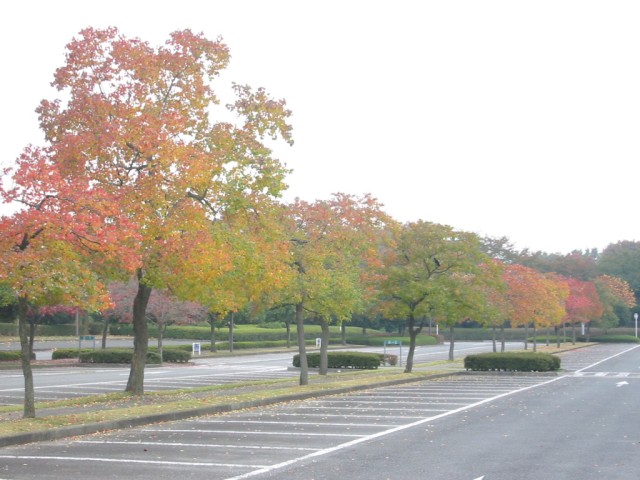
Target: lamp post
(635, 316)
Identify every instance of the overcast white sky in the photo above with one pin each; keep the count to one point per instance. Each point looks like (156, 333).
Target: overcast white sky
(506, 118)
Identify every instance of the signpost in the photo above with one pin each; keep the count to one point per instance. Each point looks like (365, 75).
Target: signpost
(86, 337)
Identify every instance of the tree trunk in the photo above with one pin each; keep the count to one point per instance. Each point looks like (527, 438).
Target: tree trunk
(526, 336)
(573, 332)
(32, 337)
(29, 410)
(302, 348)
(451, 342)
(105, 331)
(502, 342)
(161, 328)
(212, 321)
(231, 320)
(135, 384)
(343, 332)
(413, 334)
(535, 338)
(324, 348)
(557, 336)
(288, 327)
(493, 338)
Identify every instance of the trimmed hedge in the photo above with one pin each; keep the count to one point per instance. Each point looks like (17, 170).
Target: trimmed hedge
(512, 362)
(174, 354)
(611, 339)
(8, 329)
(9, 355)
(62, 353)
(378, 340)
(357, 360)
(115, 355)
(241, 333)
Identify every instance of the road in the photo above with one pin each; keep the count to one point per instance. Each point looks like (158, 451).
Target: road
(580, 424)
(70, 382)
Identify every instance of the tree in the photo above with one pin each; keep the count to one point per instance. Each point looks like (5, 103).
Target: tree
(331, 241)
(138, 122)
(163, 308)
(52, 246)
(577, 264)
(417, 269)
(583, 303)
(615, 295)
(535, 299)
(42, 269)
(622, 260)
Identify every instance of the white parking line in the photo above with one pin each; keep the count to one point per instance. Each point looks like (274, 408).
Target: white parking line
(315, 424)
(200, 445)
(384, 433)
(244, 432)
(121, 460)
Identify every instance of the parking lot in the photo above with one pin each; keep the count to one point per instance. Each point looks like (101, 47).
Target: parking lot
(246, 443)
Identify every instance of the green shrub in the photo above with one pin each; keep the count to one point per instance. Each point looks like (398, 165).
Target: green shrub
(9, 355)
(175, 355)
(611, 339)
(62, 353)
(115, 355)
(272, 325)
(378, 340)
(356, 360)
(8, 329)
(512, 361)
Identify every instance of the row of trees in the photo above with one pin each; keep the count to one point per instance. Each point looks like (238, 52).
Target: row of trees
(146, 179)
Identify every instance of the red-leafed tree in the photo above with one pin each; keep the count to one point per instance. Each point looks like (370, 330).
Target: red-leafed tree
(163, 309)
(583, 304)
(66, 229)
(139, 122)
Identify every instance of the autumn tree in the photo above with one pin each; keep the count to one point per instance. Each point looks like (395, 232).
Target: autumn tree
(583, 304)
(577, 264)
(163, 309)
(330, 242)
(419, 270)
(616, 296)
(41, 268)
(536, 300)
(622, 260)
(56, 241)
(143, 123)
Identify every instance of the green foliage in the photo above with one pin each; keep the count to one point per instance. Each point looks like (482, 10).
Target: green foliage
(8, 329)
(357, 360)
(611, 339)
(9, 355)
(241, 333)
(114, 355)
(512, 362)
(63, 353)
(175, 355)
(378, 340)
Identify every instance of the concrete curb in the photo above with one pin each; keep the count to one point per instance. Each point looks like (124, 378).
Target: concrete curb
(89, 428)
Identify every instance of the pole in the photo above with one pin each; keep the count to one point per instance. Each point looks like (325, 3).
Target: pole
(635, 316)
